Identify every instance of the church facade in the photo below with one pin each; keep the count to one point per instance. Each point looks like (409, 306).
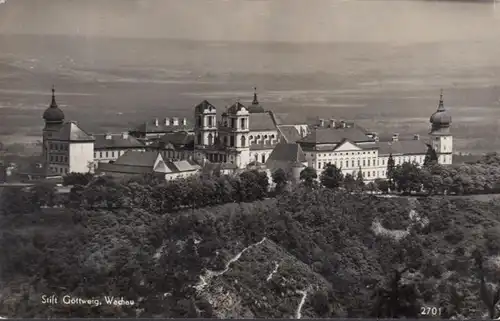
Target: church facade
(246, 136)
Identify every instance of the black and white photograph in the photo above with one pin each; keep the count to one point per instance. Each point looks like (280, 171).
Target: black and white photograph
(250, 159)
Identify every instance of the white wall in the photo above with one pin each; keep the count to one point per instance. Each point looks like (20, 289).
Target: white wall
(80, 155)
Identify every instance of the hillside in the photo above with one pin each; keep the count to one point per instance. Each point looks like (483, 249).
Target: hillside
(310, 253)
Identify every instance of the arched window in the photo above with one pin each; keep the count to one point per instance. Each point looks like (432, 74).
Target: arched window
(242, 123)
(210, 121)
(263, 158)
(251, 137)
(199, 139)
(210, 139)
(243, 141)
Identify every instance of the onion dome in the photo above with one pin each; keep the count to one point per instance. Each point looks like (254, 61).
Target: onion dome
(441, 118)
(53, 114)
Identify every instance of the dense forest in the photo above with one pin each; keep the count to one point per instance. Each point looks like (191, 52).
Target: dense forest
(231, 246)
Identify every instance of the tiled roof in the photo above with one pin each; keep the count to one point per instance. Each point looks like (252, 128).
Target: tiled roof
(143, 159)
(405, 147)
(285, 119)
(116, 141)
(262, 146)
(123, 169)
(261, 122)
(144, 162)
(290, 133)
(183, 166)
(335, 135)
(70, 131)
(287, 152)
(178, 138)
(150, 127)
(236, 107)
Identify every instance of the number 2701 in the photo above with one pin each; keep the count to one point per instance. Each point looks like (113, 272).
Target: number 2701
(433, 311)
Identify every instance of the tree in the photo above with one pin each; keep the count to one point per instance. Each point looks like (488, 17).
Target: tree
(431, 157)
(382, 185)
(308, 175)
(280, 179)
(390, 170)
(331, 177)
(350, 183)
(407, 177)
(77, 179)
(360, 181)
(43, 194)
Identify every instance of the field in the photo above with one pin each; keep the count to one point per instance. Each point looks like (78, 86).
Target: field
(112, 84)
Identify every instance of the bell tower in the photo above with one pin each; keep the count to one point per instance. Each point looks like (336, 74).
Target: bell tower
(441, 139)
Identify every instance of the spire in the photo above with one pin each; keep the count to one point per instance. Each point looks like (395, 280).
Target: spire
(441, 104)
(255, 100)
(53, 104)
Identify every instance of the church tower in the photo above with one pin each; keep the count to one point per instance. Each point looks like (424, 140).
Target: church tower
(205, 128)
(54, 120)
(440, 136)
(237, 132)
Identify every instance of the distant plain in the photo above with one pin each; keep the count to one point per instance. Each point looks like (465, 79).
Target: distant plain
(111, 84)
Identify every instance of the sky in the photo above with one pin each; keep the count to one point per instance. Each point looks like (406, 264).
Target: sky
(396, 21)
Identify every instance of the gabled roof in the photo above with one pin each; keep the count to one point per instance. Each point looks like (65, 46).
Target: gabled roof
(347, 143)
(71, 132)
(116, 141)
(336, 135)
(141, 159)
(205, 104)
(290, 152)
(290, 133)
(236, 107)
(286, 119)
(261, 122)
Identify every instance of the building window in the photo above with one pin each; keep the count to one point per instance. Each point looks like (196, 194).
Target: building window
(233, 123)
(251, 137)
(243, 141)
(263, 158)
(231, 141)
(200, 121)
(359, 162)
(199, 139)
(364, 162)
(373, 173)
(242, 121)
(100, 154)
(66, 170)
(210, 139)
(210, 121)
(364, 174)
(369, 163)
(352, 163)
(107, 155)
(319, 165)
(95, 155)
